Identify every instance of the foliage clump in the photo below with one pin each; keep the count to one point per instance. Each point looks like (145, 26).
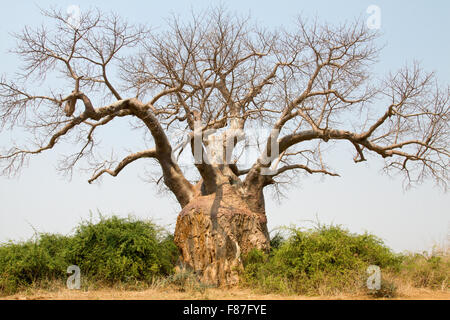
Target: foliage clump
(113, 250)
(122, 250)
(322, 260)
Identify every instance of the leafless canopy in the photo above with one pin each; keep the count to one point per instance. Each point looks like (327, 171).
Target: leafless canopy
(216, 75)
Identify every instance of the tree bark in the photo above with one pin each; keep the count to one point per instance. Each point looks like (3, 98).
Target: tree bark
(214, 232)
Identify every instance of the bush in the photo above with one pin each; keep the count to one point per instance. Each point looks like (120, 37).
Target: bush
(427, 270)
(323, 260)
(112, 250)
(122, 250)
(25, 263)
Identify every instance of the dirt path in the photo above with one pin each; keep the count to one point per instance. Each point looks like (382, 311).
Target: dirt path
(208, 294)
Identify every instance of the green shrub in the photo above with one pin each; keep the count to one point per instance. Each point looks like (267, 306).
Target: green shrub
(123, 250)
(112, 250)
(276, 241)
(324, 260)
(24, 263)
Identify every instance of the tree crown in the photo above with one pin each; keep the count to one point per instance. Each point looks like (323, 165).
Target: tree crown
(215, 77)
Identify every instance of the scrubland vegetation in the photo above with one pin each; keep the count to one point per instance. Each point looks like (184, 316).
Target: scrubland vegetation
(130, 254)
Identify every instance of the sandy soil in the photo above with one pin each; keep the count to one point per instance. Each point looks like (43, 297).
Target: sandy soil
(208, 294)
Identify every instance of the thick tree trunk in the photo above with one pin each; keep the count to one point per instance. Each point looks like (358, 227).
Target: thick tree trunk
(213, 233)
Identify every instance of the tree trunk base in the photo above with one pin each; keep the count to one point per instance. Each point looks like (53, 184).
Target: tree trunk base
(213, 232)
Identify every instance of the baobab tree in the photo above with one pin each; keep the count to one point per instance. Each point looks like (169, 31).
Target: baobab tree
(215, 77)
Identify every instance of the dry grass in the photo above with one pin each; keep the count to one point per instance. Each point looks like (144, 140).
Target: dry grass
(174, 293)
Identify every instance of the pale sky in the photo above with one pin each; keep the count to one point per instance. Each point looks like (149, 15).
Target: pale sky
(362, 199)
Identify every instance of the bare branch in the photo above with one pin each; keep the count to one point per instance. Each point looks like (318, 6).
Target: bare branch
(303, 167)
(126, 161)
